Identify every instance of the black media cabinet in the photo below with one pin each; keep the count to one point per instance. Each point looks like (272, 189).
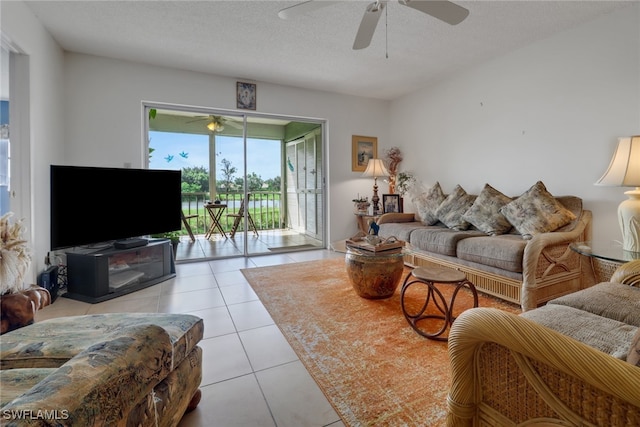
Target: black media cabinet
(109, 273)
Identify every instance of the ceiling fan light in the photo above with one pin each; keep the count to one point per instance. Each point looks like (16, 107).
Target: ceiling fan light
(215, 126)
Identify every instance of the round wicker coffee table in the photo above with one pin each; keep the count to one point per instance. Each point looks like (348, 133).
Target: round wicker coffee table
(435, 306)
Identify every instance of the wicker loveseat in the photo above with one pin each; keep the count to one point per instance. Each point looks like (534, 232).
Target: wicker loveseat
(573, 362)
(120, 369)
(528, 272)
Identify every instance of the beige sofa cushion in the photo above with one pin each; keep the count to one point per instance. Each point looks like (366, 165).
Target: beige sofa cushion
(607, 335)
(504, 252)
(440, 240)
(451, 210)
(400, 230)
(485, 214)
(536, 211)
(634, 352)
(427, 203)
(611, 300)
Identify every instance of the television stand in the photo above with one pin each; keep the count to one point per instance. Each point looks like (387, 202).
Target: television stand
(130, 243)
(109, 273)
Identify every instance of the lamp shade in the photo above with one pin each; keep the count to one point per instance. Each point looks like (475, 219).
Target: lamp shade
(624, 169)
(375, 168)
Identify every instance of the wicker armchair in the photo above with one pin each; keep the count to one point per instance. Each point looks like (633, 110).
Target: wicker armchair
(510, 371)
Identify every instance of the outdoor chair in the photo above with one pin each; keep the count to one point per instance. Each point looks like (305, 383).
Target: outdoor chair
(187, 226)
(238, 217)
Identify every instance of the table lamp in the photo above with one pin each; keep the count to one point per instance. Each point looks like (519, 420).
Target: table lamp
(624, 171)
(375, 168)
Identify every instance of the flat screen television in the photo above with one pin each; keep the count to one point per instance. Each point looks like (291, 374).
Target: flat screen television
(95, 205)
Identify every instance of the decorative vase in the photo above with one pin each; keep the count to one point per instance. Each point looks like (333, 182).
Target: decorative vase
(374, 276)
(392, 184)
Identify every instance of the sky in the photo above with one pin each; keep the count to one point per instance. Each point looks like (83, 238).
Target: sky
(179, 150)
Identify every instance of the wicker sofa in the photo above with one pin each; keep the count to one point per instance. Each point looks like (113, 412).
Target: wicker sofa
(115, 369)
(526, 272)
(573, 362)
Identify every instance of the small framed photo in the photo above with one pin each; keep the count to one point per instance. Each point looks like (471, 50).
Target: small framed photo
(363, 148)
(391, 203)
(246, 95)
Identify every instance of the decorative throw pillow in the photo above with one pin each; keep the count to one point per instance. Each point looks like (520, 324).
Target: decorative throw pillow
(536, 211)
(634, 351)
(452, 209)
(485, 214)
(427, 203)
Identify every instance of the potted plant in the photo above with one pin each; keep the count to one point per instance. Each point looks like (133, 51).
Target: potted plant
(174, 236)
(361, 205)
(15, 255)
(18, 303)
(404, 182)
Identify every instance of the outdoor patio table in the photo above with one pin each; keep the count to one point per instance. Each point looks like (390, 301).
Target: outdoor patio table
(215, 212)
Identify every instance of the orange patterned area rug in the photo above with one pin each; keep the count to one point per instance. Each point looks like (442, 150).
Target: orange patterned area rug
(372, 366)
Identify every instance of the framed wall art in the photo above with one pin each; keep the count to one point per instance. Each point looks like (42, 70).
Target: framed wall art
(246, 95)
(391, 203)
(363, 148)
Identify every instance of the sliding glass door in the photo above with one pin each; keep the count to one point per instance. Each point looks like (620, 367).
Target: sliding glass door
(235, 200)
(305, 184)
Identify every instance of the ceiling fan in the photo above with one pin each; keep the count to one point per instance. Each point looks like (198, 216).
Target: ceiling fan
(216, 123)
(446, 11)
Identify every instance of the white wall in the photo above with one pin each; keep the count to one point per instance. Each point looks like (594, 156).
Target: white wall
(92, 116)
(103, 118)
(45, 124)
(88, 110)
(551, 111)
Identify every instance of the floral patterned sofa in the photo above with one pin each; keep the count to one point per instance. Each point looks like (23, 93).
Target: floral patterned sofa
(124, 369)
(515, 248)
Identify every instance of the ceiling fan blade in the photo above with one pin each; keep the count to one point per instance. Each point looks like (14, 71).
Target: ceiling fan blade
(368, 25)
(445, 11)
(198, 119)
(234, 124)
(302, 8)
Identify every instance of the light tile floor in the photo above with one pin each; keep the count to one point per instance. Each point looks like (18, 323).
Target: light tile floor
(251, 376)
(264, 243)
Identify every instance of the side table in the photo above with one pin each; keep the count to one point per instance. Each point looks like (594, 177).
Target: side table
(435, 307)
(215, 213)
(374, 275)
(363, 221)
(605, 259)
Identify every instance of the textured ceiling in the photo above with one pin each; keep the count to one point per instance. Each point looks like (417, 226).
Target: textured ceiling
(247, 40)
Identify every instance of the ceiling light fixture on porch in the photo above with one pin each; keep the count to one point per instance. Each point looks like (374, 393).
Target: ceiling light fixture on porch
(624, 171)
(215, 126)
(375, 168)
